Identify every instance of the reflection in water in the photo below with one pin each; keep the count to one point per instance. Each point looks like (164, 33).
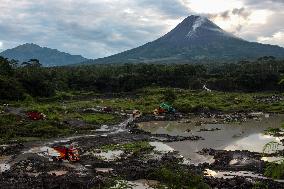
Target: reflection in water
(245, 136)
(253, 143)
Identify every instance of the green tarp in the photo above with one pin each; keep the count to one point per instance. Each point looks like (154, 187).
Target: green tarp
(167, 107)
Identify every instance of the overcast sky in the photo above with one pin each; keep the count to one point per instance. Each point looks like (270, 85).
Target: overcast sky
(98, 28)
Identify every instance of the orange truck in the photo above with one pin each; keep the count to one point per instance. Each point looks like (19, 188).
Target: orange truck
(68, 153)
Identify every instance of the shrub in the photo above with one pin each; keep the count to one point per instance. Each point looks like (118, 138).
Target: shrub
(179, 178)
(10, 89)
(275, 170)
(169, 95)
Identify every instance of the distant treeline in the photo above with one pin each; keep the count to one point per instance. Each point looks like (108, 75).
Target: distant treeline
(18, 81)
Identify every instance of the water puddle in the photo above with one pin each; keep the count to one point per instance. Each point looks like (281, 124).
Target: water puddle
(43, 151)
(103, 128)
(57, 173)
(61, 141)
(4, 165)
(278, 160)
(231, 174)
(161, 147)
(244, 136)
(110, 155)
(122, 127)
(104, 170)
(253, 143)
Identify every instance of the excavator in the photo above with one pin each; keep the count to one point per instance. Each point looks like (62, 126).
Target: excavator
(67, 152)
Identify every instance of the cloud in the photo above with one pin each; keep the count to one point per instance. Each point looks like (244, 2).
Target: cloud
(98, 28)
(231, 20)
(276, 38)
(240, 12)
(173, 8)
(210, 7)
(92, 28)
(273, 24)
(264, 3)
(248, 19)
(1, 45)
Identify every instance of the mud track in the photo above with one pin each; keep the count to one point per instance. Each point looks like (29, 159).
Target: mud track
(30, 165)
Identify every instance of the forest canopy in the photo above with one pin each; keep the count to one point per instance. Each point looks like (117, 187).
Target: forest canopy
(18, 81)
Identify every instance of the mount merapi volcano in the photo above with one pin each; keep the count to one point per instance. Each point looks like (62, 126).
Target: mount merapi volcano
(195, 39)
(46, 56)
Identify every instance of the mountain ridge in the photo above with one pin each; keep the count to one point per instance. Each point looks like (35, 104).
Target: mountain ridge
(46, 56)
(195, 39)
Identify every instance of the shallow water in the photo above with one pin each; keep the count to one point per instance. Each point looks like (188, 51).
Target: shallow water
(4, 165)
(161, 147)
(44, 151)
(231, 174)
(273, 159)
(104, 170)
(244, 136)
(110, 155)
(57, 173)
(104, 128)
(253, 142)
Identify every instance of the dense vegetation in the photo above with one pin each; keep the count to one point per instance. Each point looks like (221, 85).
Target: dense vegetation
(62, 93)
(30, 79)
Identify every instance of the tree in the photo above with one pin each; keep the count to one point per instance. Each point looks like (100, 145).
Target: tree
(32, 63)
(11, 89)
(6, 68)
